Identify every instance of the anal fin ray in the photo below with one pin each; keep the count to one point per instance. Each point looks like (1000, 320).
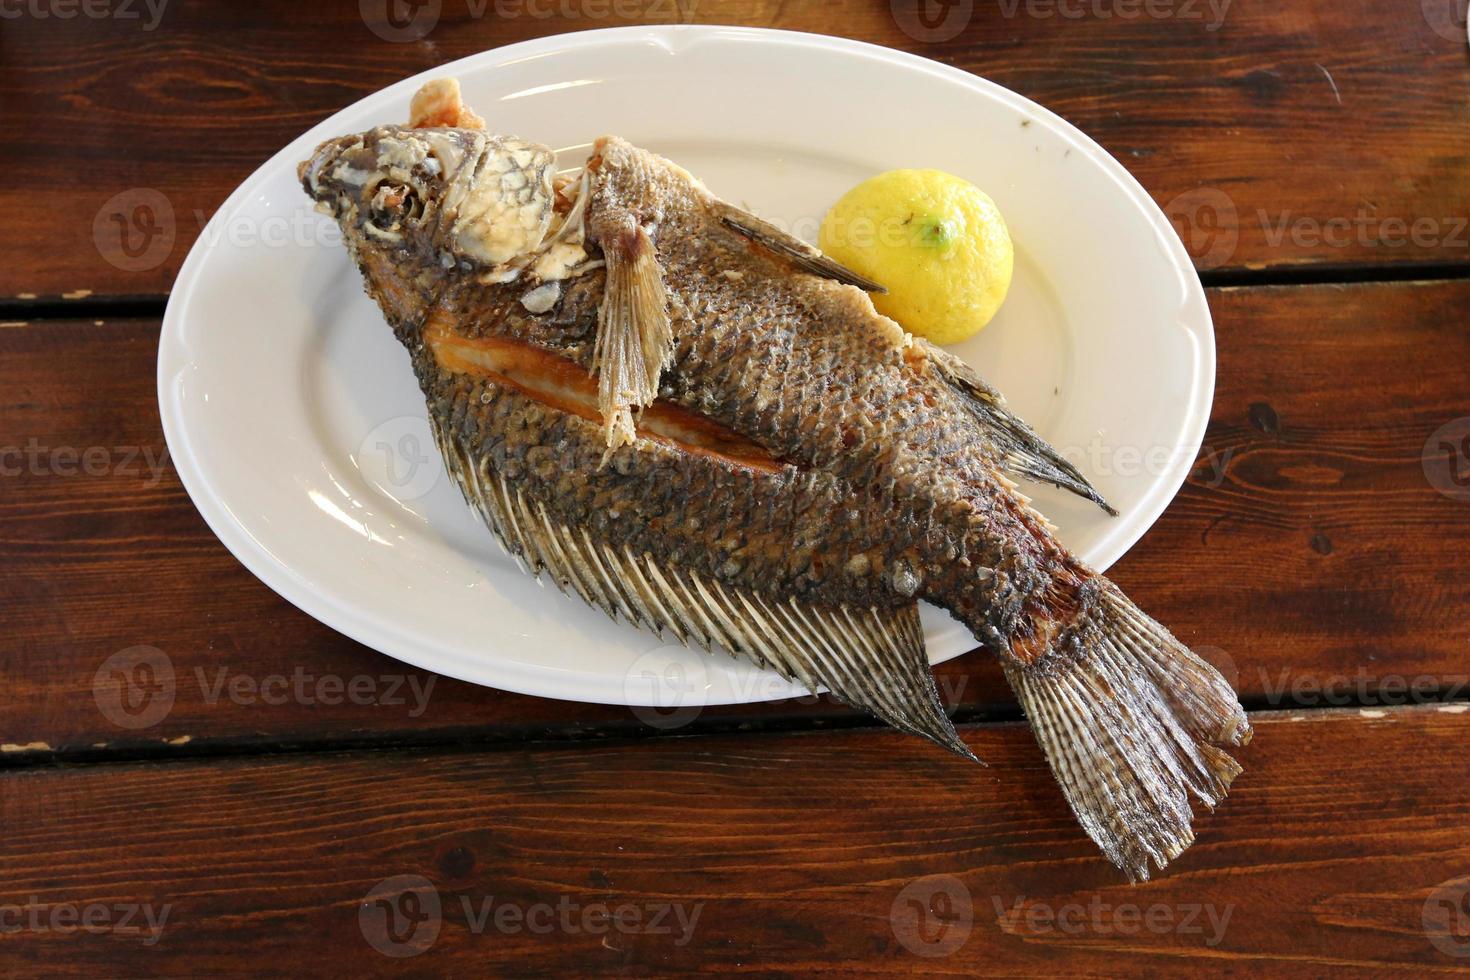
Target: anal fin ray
(871, 658)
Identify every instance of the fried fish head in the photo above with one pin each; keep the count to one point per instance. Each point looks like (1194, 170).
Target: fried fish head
(439, 204)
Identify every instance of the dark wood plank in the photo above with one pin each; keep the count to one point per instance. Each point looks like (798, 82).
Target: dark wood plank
(1317, 548)
(1323, 568)
(784, 854)
(1307, 132)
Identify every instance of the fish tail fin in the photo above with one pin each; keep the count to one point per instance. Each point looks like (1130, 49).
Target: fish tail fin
(1130, 721)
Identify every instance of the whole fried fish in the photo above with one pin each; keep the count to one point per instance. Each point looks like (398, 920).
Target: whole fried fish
(701, 425)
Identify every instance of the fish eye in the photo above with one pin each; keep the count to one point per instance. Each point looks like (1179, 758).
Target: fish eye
(392, 206)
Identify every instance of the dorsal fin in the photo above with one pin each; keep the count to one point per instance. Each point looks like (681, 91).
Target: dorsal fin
(792, 249)
(870, 658)
(1026, 453)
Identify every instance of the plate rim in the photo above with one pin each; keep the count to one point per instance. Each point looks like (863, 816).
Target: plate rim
(559, 683)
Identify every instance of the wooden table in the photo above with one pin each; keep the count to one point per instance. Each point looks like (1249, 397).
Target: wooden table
(196, 778)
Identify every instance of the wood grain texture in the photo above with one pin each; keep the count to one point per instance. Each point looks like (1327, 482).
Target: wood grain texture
(1308, 555)
(1309, 132)
(785, 854)
(1310, 550)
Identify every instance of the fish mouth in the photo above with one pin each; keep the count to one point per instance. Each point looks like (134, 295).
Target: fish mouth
(378, 171)
(310, 170)
(562, 384)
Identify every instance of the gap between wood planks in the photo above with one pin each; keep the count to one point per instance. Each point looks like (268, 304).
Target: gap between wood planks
(39, 755)
(152, 306)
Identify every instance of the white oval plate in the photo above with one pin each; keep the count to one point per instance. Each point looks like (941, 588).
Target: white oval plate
(300, 432)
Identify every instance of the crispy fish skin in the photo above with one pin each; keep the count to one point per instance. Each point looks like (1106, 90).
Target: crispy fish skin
(708, 429)
(807, 367)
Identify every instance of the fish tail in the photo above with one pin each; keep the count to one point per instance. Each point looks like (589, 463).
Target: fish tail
(1130, 721)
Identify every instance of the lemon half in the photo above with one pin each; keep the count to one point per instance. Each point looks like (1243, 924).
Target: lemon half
(936, 242)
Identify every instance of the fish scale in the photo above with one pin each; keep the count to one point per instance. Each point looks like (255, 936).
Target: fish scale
(707, 429)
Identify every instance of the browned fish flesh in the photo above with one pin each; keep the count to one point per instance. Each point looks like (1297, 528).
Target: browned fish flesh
(699, 424)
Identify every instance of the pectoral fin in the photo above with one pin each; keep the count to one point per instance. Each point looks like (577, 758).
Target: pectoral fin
(793, 249)
(634, 335)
